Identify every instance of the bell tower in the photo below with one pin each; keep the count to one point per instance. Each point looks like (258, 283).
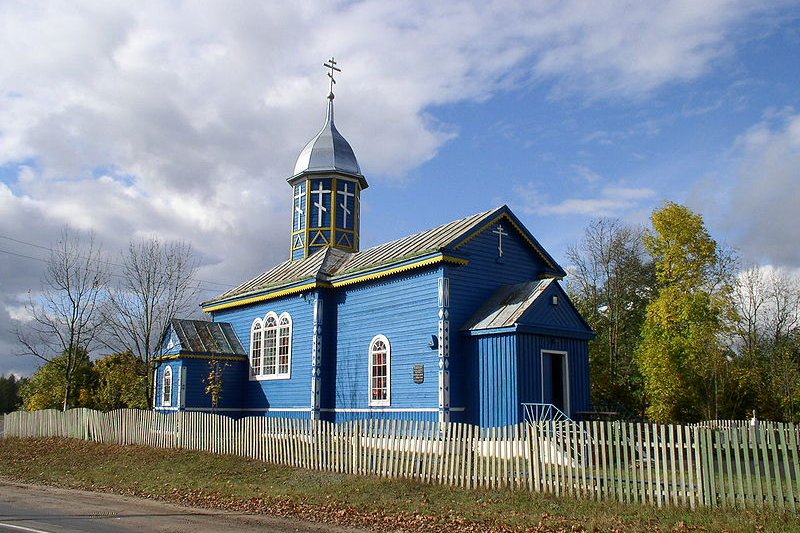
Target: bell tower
(327, 184)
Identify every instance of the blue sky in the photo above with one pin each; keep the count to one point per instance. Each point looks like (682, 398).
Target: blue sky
(183, 120)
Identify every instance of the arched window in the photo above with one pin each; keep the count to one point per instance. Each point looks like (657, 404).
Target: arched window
(380, 354)
(270, 344)
(271, 347)
(255, 347)
(166, 388)
(284, 345)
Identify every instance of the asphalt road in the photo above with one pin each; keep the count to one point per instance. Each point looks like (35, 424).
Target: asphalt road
(39, 509)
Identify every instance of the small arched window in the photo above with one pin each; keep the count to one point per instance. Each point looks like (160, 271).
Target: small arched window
(255, 347)
(380, 354)
(166, 388)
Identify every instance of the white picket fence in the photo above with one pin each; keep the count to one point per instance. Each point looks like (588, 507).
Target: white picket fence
(735, 466)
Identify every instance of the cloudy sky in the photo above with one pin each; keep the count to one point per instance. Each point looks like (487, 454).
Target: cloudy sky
(183, 120)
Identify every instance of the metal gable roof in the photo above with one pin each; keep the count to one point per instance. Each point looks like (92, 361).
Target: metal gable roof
(331, 264)
(282, 274)
(201, 336)
(507, 305)
(416, 245)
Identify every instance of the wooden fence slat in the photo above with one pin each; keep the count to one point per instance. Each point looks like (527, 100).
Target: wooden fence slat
(736, 449)
(793, 438)
(569, 456)
(720, 463)
(725, 446)
(787, 473)
(705, 463)
(583, 436)
(776, 469)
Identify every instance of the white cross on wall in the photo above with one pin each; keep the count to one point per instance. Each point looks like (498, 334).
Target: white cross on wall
(318, 204)
(345, 195)
(500, 234)
(299, 201)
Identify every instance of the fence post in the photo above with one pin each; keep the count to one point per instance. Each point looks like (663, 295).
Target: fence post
(356, 453)
(533, 463)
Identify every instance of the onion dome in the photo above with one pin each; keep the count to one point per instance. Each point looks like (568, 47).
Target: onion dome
(328, 151)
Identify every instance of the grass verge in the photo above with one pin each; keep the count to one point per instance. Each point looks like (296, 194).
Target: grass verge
(226, 482)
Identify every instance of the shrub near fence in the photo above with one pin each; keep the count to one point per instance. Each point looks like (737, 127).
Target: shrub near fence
(723, 465)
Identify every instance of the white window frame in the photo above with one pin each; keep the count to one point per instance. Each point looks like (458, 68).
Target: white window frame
(284, 331)
(383, 402)
(263, 372)
(256, 328)
(155, 387)
(166, 391)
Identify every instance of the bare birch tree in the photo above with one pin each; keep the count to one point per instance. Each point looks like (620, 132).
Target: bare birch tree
(767, 339)
(156, 284)
(611, 280)
(66, 316)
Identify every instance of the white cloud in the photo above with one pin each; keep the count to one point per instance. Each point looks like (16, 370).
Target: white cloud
(612, 201)
(763, 203)
(587, 174)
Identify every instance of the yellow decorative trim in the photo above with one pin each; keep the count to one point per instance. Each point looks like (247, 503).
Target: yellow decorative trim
(410, 266)
(264, 297)
(350, 281)
(333, 210)
(173, 357)
(516, 226)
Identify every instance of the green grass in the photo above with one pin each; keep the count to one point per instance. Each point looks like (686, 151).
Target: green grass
(239, 484)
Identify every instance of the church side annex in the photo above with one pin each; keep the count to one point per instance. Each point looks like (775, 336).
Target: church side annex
(464, 322)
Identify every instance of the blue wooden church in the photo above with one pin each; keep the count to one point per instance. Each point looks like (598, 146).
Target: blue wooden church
(464, 322)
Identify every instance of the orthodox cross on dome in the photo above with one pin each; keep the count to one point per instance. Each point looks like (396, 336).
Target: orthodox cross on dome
(500, 234)
(331, 65)
(299, 202)
(319, 192)
(345, 211)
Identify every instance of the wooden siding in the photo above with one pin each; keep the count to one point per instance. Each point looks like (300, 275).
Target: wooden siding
(494, 400)
(375, 414)
(472, 284)
(276, 394)
(171, 338)
(530, 385)
(505, 370)
(194, 371)
(233, 375)
(562, 316)
(404, 309)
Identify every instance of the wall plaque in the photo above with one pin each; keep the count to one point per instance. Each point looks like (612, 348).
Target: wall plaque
(419, 373)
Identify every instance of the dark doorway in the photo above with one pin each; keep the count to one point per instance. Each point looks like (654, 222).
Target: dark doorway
(554, 388)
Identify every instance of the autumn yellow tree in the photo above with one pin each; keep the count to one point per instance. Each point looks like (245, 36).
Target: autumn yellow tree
(681, 355)
(120, 382)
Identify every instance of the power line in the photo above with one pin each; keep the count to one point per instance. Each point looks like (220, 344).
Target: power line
(22, 255)
(121, 276)
(47, 248)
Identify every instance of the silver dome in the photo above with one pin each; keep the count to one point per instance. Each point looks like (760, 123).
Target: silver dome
(328, 151)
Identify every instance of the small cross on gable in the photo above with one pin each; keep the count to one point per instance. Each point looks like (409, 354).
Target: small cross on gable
(500, 232)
